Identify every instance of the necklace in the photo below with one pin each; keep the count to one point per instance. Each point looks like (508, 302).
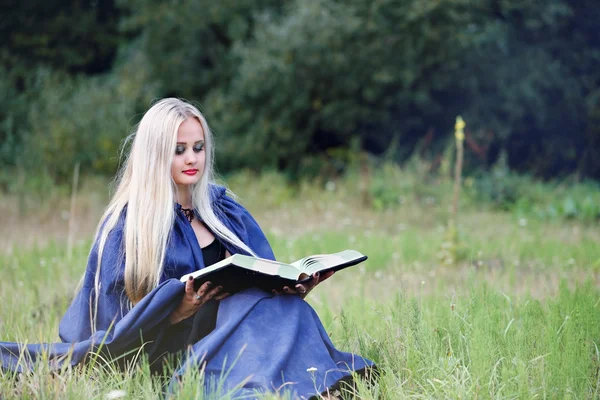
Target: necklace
(189, 213)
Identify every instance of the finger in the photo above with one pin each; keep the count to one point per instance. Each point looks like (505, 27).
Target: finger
(221, 296)
(301, 289)
(326, 275)
(288, 290)
(215, 292)
(204, 288)
(316, 279)
(189, 286)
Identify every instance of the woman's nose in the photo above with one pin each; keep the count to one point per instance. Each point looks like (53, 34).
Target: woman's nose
(190, 157)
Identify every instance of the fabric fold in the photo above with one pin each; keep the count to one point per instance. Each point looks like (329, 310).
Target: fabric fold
(128, 333)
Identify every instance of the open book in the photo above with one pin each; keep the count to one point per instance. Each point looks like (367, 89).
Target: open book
(240, 272)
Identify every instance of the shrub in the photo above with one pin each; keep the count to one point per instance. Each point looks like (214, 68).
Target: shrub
(80, 120)
(505, 190)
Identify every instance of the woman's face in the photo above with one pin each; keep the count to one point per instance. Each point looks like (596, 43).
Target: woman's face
(188, 161)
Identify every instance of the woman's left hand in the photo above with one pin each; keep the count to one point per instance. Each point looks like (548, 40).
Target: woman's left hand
(304, 289)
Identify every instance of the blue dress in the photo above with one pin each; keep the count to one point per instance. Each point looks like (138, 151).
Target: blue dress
(264, 342)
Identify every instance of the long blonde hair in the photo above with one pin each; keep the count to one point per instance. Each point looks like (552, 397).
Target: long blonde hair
(146, 188)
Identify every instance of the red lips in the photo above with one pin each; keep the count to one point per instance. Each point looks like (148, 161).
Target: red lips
(190, 171)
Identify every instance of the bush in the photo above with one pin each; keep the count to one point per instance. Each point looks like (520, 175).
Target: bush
(391, 186)
(14, 106)
(80, 120)
(505, 190)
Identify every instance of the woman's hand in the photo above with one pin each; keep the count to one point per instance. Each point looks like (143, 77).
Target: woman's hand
(192, 300)
(303, 290)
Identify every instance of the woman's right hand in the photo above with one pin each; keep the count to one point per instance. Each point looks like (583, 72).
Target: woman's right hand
(192, 300)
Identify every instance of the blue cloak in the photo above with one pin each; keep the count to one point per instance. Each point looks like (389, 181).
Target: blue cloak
(263, 342)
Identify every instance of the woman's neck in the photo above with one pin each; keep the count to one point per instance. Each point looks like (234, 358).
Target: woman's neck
(184, 197)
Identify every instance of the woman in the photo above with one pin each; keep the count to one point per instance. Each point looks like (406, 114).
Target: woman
(167, 218)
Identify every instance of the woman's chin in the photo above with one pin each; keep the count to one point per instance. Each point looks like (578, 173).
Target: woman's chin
(188, 179)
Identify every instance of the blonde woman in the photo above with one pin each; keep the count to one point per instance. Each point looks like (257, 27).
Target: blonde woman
(168, 218)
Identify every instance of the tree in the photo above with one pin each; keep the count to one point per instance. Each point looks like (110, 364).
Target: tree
(81, 36)
(188, 43)
(327, 73)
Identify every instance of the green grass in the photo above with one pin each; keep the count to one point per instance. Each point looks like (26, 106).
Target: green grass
(479, 344)
(517, 318)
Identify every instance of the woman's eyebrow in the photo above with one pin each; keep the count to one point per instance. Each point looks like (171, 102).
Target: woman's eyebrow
(196, 142)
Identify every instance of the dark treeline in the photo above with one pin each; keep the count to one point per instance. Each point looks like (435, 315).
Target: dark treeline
(297, 85)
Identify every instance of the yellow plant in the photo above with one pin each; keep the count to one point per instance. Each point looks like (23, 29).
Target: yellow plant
(452, 250)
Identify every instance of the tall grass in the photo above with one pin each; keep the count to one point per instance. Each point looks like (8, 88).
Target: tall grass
(478, 344)
(519, 317)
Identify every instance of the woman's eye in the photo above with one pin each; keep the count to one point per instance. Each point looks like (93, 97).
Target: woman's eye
(179, 150)
(199, 147)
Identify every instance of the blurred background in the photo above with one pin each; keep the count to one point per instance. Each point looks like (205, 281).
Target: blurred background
(314, 91)
(303, 86)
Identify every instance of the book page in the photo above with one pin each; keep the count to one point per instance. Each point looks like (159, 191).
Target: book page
(262, 265)
(320, 262)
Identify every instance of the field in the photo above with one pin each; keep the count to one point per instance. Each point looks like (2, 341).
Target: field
(516, 315)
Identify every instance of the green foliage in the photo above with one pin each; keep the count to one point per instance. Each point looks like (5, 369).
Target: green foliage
(68, 120)
(275, 103)
(523, 196)
(275, 184)
(75, 36)
(320, 76)
(16, 152)
(392, 186)
(78, 121)
(13, 117)
(522, 93)
(188, 43)
(287, 84)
